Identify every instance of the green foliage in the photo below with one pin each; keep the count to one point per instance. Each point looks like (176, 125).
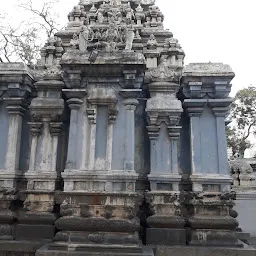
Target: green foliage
(243, 121)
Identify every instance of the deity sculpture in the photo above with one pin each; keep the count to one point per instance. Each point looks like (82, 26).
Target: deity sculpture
(152, 43)
(163, 71)
(84, 38)
(100, 16)
(129, 37)
(129, 13)
(115, 2)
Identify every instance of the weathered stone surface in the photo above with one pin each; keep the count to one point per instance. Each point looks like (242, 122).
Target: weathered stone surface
(110, 137)
(165, 236)
(97, 224)
(203, 251)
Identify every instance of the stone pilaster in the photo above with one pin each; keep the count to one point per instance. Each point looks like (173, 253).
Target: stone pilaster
(16, 85)
(130, 107)
(166, 224)
(75, 100)
(16, 109)
(46, 114)
(35, 130)
(206, 88)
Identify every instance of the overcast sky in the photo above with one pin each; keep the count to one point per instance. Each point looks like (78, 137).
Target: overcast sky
(208, 30)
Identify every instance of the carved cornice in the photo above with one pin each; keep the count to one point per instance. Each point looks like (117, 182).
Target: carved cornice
(195, 107)
(207, 80)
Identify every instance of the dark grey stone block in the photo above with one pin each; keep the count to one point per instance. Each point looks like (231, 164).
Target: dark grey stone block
(96, 250)
(204, 251)
(162, 236)
(34, 232)
(220, 238)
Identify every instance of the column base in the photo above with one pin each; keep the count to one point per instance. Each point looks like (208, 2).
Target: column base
(36, 219)
(208, 237)
(210, 223)
(166, 236)
(11, 179)
(35, 227)
(97, 220)
(166, 226)
(99, 181)
(164, 182)
(211, 182)
(42, 181)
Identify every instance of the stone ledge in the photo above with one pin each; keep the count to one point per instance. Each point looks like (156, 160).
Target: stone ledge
(21, 246)
(204, 251)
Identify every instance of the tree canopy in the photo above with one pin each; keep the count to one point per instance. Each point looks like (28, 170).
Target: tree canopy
(243, 121)
(23, 41)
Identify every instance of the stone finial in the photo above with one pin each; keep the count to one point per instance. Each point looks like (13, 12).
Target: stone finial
(84, 38)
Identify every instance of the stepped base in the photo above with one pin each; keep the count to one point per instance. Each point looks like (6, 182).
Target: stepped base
(93, 250)
(204, 251)
(165, 236)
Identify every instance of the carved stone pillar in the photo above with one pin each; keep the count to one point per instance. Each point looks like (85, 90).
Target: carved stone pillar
(46, 112)
(75, 100)
(166, 223)
(130, 106)
(35, 130)
(92, 115)
(17, 91)
(206, 88)
(55, 131)
(16, 109)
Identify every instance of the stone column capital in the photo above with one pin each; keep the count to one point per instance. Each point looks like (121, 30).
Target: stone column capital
(220, 107)
(35, 128)
(174, 132)
(153, 132)
(112, 114)
(75, 97)
(194, 107)
(131, 104)
(16, 106)
(75, 103)
(55, 128)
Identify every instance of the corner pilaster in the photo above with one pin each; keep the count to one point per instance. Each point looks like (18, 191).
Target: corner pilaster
(206, 87)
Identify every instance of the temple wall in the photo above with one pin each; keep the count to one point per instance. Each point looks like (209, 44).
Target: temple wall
(4, 133)
(246, 209)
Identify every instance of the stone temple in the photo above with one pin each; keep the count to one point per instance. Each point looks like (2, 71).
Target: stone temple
(111, 146)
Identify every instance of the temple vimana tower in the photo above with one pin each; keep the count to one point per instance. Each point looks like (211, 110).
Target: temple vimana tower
(111, 146)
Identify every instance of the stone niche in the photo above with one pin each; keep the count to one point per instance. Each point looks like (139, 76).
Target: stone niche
(112, 146)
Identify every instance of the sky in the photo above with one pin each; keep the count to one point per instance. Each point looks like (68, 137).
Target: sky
(208, 30)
